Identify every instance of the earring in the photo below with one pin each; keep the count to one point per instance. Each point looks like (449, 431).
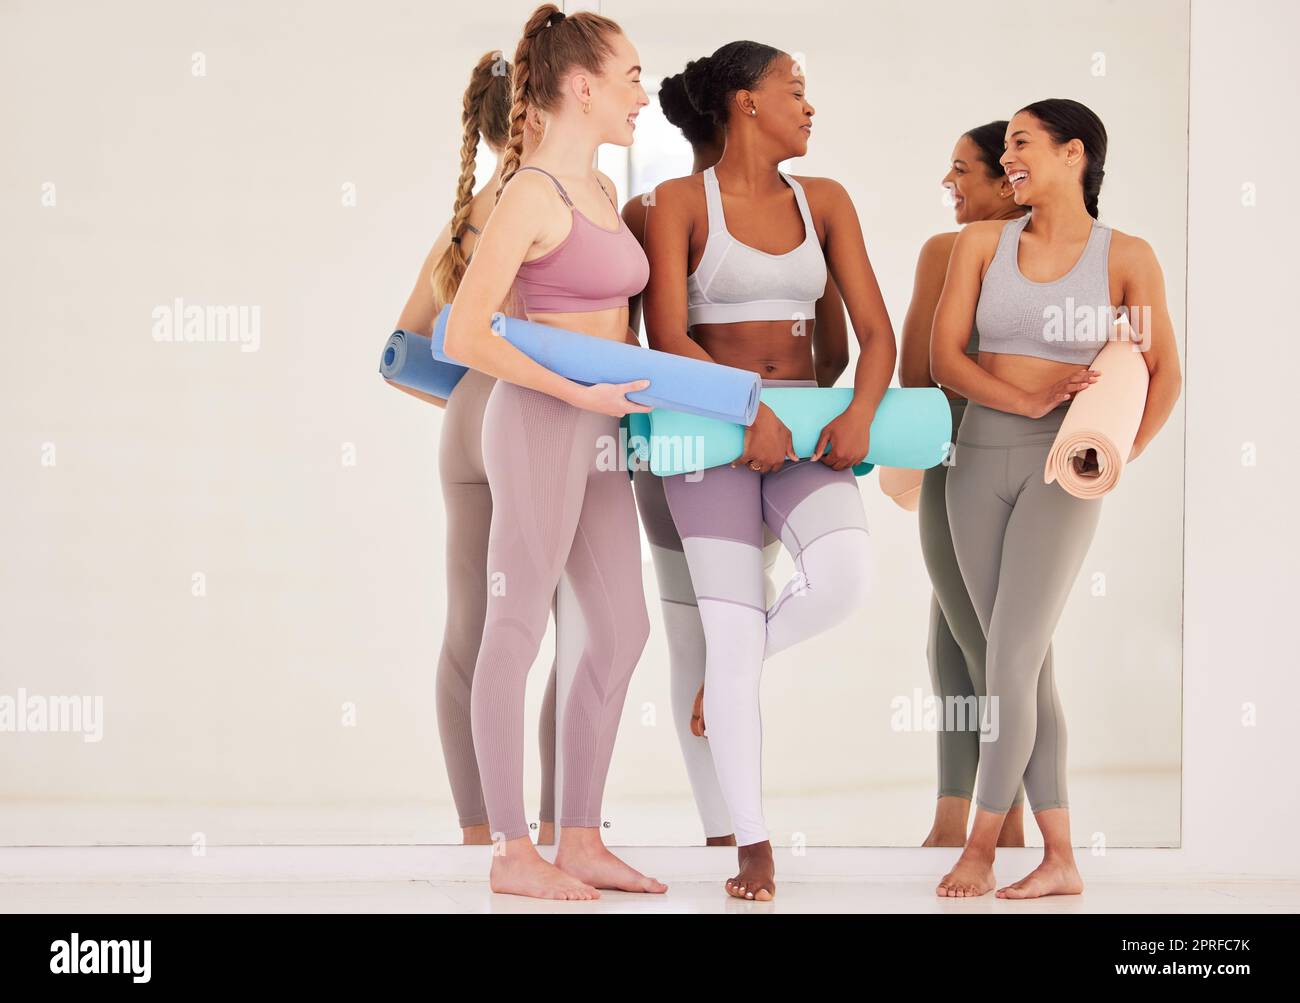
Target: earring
(753, 111)
(586, 108)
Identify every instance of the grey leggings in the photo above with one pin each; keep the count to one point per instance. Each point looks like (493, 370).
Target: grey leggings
(468, 504)
(1019, 544)
(556, 509)
(955, 642)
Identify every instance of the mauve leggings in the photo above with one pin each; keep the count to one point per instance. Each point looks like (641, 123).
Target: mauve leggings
(468, 504)
(557, 508)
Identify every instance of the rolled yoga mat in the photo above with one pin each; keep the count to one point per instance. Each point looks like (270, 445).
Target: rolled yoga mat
(912, 428)
(408, 361)
(902, 486)
(704, 389)
(1103, 416)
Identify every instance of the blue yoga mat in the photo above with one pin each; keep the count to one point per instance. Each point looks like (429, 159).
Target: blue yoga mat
(704, 389)
(408, 361)
(912, 428)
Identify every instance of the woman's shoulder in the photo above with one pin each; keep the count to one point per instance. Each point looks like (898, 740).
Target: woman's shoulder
(982, 233)
(677, 195)
(939, 247)
(1128, 246)
(819, 187)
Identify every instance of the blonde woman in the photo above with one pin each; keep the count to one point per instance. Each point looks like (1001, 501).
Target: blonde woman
(557, 237)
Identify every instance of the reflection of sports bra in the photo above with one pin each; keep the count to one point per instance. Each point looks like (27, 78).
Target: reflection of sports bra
(591, 269)
(735, 282)
(478, 233)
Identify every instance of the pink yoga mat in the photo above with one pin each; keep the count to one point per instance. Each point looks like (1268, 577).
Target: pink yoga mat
(903, 486)
(1104, 417)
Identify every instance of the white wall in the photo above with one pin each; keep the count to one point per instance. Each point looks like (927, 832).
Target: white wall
(242, 208)
(1242, 795)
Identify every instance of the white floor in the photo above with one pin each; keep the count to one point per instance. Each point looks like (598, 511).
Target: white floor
(442, 879)
(877, 896)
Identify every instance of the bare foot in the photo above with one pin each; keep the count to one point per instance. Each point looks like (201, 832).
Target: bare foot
(971, 877)
(756, 879)
(951, 816)
(1056, 875)
(697, 715)
(591, 861)
(938, 836)
(1013, 827)
(545, 833)
(727, 840)
(476, 835)
(520, 870)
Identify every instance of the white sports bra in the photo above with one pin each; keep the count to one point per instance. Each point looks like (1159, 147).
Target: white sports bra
(735, 282)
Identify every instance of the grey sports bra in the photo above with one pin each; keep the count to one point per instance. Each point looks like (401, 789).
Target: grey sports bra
(735, 282)
(1066, 320)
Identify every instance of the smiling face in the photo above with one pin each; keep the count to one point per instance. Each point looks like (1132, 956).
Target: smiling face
(780, 102)
(616, 94)
(977, 192)
(1036, 166)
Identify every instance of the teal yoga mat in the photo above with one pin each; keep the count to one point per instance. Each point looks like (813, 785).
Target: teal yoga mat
(912, 428)
(408, 361)
(704, 389)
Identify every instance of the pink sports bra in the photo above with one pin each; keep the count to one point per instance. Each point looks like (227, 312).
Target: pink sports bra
(591, 269)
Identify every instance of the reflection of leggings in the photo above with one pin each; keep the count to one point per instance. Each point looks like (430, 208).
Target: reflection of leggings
(1020, 544)
(554, 511)
(955, 643)
(817, 514)
(685, 635)
(468, 503)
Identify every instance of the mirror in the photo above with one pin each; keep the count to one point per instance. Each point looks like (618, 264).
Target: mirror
(849, 746)
(225, 576)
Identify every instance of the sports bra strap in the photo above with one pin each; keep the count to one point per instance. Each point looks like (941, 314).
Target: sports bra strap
(558, 187)
(713, 202)
(802, 201)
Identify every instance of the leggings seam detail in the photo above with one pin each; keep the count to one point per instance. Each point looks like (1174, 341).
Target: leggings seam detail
(581, 535)
(732, 602)
(836, 529)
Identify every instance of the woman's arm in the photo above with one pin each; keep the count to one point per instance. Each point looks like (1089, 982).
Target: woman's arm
(667, 245)
(420, 310)
(634, 215)
(931, 267)
(1148, 312)
(846, 254)
(830, 337)
(526, 215)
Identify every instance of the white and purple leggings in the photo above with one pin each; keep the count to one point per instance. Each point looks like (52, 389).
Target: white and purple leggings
(720, 513)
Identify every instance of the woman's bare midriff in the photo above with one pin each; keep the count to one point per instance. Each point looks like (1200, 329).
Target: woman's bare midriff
(775, 349)
(1025, 372)
(610, 324)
